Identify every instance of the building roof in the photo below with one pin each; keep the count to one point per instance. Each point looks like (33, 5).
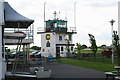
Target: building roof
(13, 18)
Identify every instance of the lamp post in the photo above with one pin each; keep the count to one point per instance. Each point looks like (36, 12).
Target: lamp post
(112, 21)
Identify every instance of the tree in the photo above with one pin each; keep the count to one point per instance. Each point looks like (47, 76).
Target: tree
(83, 46)
(116, 45)
(78, 48)
(68, 48)
(93, 45)
(103, 46)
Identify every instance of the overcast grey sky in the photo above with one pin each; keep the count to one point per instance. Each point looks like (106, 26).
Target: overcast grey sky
(92, 16)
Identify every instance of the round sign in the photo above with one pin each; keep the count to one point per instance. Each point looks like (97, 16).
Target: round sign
(48, 36)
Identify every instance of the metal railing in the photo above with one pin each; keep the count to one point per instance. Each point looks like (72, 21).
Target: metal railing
(69, 29)
(29, 32)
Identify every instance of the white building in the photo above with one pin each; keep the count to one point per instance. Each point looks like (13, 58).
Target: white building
(55, 36)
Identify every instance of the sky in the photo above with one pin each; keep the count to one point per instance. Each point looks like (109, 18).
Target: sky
(92, 16)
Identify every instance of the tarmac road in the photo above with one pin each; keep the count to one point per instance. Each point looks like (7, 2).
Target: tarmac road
(65, 71)
(69, 71)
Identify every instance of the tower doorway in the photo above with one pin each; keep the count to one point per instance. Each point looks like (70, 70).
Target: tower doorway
(57, 52)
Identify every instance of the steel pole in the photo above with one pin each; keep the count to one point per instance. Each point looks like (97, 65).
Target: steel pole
(112, 56)
(112, 45)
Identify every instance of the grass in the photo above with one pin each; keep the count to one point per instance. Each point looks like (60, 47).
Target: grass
(10, 52)
(89, 51)
(100, 59)
(92, 65)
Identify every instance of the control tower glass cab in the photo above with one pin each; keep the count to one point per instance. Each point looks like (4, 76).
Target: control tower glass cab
(56, 26)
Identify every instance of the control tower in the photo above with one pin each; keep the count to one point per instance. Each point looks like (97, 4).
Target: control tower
(55, 37)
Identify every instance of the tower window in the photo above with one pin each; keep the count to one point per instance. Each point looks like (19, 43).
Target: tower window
(60, 38)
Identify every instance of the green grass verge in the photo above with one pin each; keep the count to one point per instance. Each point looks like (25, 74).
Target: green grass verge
(100, 59)
(89, 51)
(10, 52)
(92, 65)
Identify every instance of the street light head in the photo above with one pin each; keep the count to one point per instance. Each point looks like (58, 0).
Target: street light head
(112, 21)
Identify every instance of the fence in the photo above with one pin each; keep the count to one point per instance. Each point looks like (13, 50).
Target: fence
(98, 58)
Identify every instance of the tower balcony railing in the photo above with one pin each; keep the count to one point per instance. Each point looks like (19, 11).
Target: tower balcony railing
(71, 29)
(57, 29)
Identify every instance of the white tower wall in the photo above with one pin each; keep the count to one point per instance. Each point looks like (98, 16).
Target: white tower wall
(64, 37)
(63, 41)
(55, 42)
(52, 48)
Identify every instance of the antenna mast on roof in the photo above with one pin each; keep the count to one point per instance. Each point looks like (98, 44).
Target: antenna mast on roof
(59, 15)
(55, 15)
(75, 14)
(65, 15)
(44, 13)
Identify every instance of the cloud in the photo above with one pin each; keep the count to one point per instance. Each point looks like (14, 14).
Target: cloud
(92, 16)
(103, 4)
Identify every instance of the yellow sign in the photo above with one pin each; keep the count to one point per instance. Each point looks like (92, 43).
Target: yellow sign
(48, 36)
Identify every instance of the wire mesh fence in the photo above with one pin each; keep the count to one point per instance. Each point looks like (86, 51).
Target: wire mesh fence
(97, 58)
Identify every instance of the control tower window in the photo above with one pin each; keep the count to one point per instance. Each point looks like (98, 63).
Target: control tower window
(68, 37)
(51, 24)
(61, 24)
